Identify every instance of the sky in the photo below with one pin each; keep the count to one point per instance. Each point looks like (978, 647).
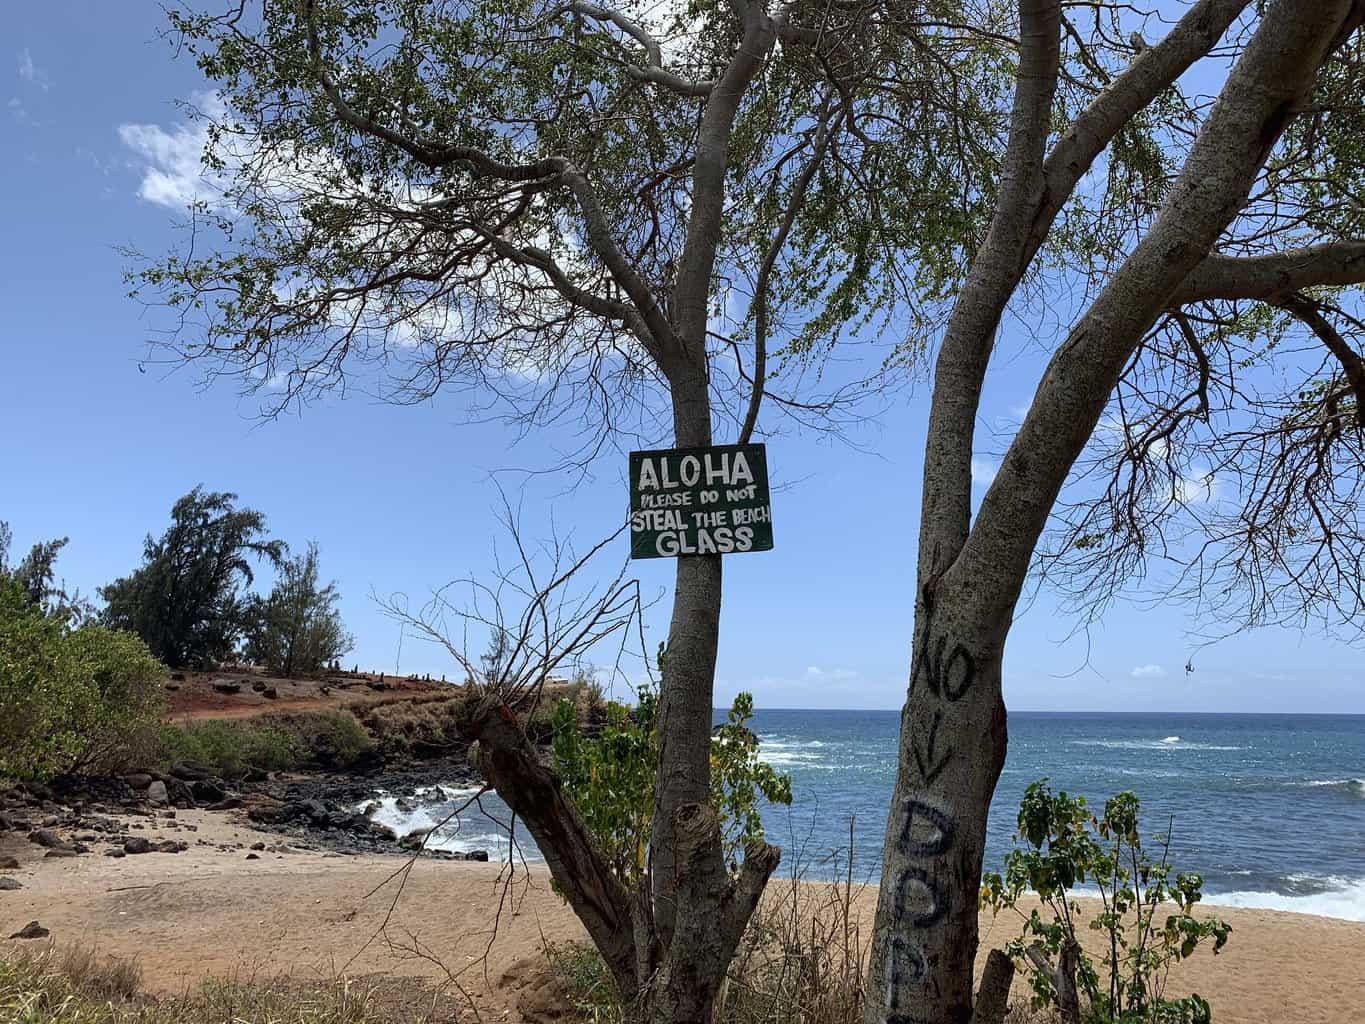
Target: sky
(98, 445)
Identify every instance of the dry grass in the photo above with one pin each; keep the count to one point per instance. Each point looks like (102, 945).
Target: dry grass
(81, 987)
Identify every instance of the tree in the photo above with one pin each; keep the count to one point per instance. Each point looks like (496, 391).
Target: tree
(608, 215)
(37, 577)
(297, 630)
(1217, 335)
(186, 601)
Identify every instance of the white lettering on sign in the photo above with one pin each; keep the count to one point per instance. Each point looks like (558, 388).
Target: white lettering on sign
(720, 541)
(719, 469)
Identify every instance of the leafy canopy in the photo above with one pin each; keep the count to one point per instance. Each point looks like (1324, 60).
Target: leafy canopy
(187, 599)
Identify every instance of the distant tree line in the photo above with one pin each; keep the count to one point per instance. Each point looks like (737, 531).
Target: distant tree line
(191, 602)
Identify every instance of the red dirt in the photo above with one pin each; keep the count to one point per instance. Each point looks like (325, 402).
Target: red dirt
(191, 696)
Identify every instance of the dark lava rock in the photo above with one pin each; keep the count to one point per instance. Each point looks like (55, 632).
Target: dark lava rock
(138, 780)
(8, 884)
(270, 693)
(32, 930)
(253, 856)
(208, 790)
(191, 771)
(479, 855)
(138, 844)
(48, 839)
(115, 852)
(62, 852)
(227, 686)
(226, 804)
(8, 864)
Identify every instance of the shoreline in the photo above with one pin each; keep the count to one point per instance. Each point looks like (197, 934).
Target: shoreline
(313, 914)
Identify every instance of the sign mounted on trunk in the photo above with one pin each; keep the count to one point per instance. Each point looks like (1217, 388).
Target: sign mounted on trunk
(700, 501)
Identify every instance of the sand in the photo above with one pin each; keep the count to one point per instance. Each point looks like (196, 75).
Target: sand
(212, 912)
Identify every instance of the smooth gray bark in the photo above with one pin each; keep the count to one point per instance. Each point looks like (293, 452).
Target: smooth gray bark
(953, 735)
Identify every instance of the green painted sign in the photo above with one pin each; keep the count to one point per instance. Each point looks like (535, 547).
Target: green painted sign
(700, 501)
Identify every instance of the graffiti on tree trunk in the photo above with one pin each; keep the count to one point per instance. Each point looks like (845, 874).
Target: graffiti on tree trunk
(943, 674)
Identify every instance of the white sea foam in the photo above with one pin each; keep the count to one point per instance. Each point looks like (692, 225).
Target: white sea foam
(1169, 743)
(1345, 901)
(1353, 787)
(470, 830)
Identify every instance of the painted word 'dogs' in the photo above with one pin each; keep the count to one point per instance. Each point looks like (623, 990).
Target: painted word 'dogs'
(700, 501)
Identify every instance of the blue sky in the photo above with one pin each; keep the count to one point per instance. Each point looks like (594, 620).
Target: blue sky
(401, 499)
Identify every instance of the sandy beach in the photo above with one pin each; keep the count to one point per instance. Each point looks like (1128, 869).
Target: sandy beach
(211, 911)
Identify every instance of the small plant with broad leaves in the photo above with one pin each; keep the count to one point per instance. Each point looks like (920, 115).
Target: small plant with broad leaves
(1145, 924)
(610, 778)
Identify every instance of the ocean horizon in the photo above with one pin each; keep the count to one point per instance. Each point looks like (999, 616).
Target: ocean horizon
(1268, 808)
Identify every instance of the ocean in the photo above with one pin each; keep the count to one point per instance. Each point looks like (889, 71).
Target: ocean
(1270, 809)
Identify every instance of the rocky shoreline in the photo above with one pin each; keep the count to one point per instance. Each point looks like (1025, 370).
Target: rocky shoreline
(74, 817)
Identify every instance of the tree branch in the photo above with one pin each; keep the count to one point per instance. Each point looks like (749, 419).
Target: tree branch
(1310, 313)
(1274, 275)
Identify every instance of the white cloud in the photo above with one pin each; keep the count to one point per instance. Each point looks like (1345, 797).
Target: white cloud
(171, 163)
(31, 72)
(832, 674)
(983, 472)
(1148, 672)
(1199, 486)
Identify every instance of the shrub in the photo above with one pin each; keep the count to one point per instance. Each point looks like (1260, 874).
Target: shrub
(1060, 844)
(331, 739)
(610, 777)
(70, 699)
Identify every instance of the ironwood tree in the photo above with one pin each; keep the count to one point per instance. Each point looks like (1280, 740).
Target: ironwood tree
(188, 599)
(296, 629)
(1203, 403)
(623, 222)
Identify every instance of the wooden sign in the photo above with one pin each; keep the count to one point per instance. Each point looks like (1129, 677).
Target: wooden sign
(700, 501)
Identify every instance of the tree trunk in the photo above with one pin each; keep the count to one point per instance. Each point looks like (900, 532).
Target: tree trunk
(952, 749)
(687, 688)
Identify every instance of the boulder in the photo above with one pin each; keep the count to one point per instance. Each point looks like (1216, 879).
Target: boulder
(258, 686)
(227, 686)
(479, 855)
(270, 693)
(191, 771)
(228, 803)
(138, 780)
(47, 839)
(32, 930)
(157, 793)
(207, 790)
(138, 844)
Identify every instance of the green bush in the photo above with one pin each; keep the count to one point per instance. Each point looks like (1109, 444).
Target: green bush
(610, 778)
(271, 743)
(71, 700)
(1060, 844)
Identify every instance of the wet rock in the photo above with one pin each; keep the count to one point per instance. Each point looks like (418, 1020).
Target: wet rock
(32, 930)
